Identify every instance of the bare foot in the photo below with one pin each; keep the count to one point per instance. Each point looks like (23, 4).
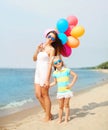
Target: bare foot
(46, 119)
(59, 121)
(66, 121)
(69, 118)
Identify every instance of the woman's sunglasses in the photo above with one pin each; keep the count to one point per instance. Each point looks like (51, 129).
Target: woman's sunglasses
(58, 61)
(50, 37)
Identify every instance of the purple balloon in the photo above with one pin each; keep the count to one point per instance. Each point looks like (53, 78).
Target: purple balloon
(67, 51)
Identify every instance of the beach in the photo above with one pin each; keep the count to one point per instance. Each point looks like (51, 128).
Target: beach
(88, 111)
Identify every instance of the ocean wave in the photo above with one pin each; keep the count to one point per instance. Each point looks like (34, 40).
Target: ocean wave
(16, 104)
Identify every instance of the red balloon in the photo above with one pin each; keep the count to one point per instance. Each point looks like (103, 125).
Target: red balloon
(72, 20)
(68, 31)
(67, 51)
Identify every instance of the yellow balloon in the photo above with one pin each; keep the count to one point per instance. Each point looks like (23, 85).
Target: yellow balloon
(77, 31)
(73, 42)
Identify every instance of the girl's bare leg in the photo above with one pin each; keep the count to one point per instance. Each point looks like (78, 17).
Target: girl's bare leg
(60, 113)
(38, 92)
(67, 109)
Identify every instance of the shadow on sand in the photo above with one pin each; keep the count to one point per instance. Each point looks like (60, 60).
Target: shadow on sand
(85, 110)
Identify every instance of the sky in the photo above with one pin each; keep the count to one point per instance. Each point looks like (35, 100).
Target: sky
(23, 23)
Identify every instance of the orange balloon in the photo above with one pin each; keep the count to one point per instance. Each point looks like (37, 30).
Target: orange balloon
(77, 31)
(73, 42)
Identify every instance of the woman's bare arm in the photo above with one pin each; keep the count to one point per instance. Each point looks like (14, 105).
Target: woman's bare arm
(50, 67)
(38, 49)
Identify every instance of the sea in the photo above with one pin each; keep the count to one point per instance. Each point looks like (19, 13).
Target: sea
(17, 87)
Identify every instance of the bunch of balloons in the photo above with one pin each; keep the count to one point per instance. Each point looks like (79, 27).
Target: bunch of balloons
(69, 32)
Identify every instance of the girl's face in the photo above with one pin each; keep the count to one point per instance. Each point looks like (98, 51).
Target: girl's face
(58, 63)
(51, 37)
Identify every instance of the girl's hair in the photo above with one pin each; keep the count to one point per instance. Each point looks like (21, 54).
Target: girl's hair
(57, 44)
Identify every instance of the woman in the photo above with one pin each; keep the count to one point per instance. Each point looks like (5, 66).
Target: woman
(44, 55)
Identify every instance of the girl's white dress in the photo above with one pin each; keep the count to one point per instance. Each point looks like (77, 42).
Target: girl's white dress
(41, 68)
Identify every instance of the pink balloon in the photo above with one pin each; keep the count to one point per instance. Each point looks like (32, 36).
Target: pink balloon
(72, 20)
(67, 51)
(68, 31)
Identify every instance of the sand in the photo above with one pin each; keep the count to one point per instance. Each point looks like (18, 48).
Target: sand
(101, 70)
(88, 111)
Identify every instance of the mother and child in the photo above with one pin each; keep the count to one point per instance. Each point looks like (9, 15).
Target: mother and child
(48, 54)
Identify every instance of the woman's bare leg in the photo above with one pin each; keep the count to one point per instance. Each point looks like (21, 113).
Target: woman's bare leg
(47, 102)
(38, 92)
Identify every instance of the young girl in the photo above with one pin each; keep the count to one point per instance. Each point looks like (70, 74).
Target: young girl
(61, 78)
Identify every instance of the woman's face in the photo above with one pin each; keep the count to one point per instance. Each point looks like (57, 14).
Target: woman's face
(51, 37)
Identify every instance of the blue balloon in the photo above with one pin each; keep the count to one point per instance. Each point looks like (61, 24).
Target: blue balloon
(63, 38)
(62, 25)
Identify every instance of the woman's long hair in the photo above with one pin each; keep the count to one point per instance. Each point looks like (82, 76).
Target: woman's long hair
(57, 44)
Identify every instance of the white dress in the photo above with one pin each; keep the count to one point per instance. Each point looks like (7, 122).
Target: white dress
(41, 68)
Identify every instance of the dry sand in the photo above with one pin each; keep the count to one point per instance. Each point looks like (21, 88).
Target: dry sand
(88, 111)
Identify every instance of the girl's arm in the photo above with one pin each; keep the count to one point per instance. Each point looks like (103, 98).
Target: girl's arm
(74, 75)
(53, 83)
